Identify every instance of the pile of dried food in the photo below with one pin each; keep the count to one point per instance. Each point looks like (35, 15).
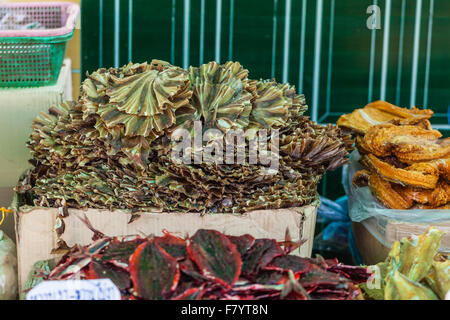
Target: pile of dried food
(208, 265)
(113, 147)
(407, 164)
(414, 270)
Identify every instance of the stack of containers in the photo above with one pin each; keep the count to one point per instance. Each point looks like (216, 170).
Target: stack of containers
(33, 76)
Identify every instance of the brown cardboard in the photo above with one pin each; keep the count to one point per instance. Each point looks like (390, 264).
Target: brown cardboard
(370, 249)
(36, 236)
(374, 240)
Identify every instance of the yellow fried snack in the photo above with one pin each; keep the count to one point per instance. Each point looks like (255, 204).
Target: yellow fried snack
(400, 287)
(413, 270)
(417, 253)
(438, 279)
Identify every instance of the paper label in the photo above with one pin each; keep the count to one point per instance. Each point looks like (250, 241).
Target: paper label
(100, 289)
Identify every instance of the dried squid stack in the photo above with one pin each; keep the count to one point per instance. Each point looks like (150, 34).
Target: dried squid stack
(112, 148)
(407, 163)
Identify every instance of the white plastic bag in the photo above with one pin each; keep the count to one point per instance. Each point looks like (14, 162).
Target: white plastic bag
(8, 268)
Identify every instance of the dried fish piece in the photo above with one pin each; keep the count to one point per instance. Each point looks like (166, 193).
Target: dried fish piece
(313, 145)
(416, 253)
(423, 175)
(382, 139)
(380, 112)
(221, 97)
(405, 158)
(387, 195)
(423, 151)
(432, 197)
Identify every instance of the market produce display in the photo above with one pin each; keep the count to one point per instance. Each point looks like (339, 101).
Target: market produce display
(112, 148)
(407, 163)
(208, 265)
(414, 270)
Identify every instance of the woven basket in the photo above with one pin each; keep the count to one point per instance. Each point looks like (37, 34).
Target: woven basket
(33, 57)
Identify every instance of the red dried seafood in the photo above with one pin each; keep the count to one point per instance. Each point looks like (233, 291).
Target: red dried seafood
(208, 265)
(153, 271)
(216, 256)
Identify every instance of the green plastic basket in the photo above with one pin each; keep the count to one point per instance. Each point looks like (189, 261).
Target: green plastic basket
(31, 57)
(31, 62)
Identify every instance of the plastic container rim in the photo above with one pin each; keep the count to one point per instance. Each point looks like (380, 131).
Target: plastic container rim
(72, 11)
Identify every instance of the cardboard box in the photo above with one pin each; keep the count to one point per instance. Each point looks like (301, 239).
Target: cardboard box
(36, 236)
(374, 238)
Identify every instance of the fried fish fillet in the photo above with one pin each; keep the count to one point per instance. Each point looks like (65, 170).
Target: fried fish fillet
(381, 112)
(443, 166)
(423, 175)
(381, 140)
(387, 195)
(420, 150)
(395, 196)
(434, 198)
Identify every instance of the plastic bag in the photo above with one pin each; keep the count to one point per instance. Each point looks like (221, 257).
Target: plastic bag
(363, 207)
(19, 21)
(336, 239)
(8, 268)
